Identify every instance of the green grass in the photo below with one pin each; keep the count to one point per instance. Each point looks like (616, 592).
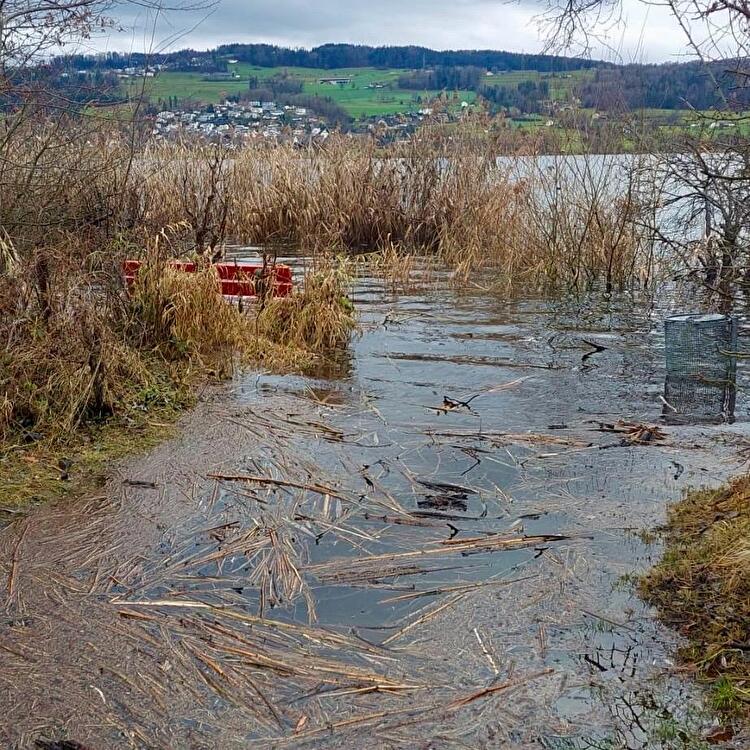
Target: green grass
(186, 86)
(31, 474)
(724, 695)
(701, 586)
(356, 99)
(561, 85)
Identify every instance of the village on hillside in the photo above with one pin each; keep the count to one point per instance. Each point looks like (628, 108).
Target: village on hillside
(242, 122)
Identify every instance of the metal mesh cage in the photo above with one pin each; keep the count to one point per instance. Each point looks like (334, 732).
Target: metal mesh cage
(701, 368)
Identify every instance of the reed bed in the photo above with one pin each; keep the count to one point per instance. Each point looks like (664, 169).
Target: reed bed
(76, 348)
(571, 224)
(64, 364)
(184, 315)
(87, 362)
(317, 317)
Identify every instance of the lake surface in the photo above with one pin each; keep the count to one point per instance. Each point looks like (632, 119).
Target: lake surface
(433, 546)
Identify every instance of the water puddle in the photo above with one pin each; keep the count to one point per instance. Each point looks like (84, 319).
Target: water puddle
(438, 545)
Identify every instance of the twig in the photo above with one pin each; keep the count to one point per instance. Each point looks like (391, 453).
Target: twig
(14, 564)
(320, 489)
(454, 589)
(486, 652)
(496, 689)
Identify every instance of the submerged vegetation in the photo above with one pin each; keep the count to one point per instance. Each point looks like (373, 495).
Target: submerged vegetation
(701, 587)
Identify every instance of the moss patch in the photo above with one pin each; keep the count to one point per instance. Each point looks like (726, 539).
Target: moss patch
(37, 471)
(701, 587)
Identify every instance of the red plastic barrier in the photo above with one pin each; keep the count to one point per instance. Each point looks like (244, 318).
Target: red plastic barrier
(237, 279)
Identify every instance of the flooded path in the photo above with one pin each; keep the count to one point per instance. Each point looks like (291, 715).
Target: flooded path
(436, 545)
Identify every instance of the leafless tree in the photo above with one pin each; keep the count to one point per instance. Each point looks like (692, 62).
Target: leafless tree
(704, 209)
(49, 182)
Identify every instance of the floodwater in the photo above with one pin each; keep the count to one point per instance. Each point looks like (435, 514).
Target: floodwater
(434, 546)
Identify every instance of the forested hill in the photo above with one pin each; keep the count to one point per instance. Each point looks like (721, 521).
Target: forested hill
(361, 56)
(667, 86)
(511, 81)
(336, 56)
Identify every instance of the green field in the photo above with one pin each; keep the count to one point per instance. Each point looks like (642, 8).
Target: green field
(358, 100)
(561, 85)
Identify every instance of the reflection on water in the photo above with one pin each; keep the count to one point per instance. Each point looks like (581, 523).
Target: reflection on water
(482, 414)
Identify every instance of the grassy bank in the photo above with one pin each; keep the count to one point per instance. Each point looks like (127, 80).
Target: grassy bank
(36, 468)
(701, 588)
(90, 380)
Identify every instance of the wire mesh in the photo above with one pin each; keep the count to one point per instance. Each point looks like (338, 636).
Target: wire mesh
(701, 366)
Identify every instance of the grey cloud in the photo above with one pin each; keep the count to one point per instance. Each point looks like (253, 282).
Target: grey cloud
(646, 33)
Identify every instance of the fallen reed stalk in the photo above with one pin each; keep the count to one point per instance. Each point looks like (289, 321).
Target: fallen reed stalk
(424, 712)
(318, 488)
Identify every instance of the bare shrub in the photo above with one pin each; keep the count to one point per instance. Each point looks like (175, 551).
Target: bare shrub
(318, 317)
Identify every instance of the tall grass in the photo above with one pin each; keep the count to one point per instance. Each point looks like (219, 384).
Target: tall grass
(184, 316)
(64, 359)
(94, 353)
(551, 223)
(318, 317)
(75, 347)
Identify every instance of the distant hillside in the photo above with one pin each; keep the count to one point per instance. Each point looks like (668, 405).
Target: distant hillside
(380, 80)
(336, 56)
(668, 86)
(331, 56)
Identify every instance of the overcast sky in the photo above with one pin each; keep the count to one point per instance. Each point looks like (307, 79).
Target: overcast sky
(646, 34)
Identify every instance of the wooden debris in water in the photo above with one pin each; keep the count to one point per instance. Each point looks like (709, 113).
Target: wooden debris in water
(507, 438)
(229, 603)
(373, 566)
(320, 489)
(635, 432)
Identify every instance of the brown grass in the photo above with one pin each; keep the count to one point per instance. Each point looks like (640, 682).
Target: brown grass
(65, 364)
(317, 317)
(702, 588)
(548, 223)
(88, 362)
(184, 316)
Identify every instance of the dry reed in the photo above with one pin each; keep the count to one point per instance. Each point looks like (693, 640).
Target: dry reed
(79, 201)
(564, 224)
(185, 315)
(318, 317)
